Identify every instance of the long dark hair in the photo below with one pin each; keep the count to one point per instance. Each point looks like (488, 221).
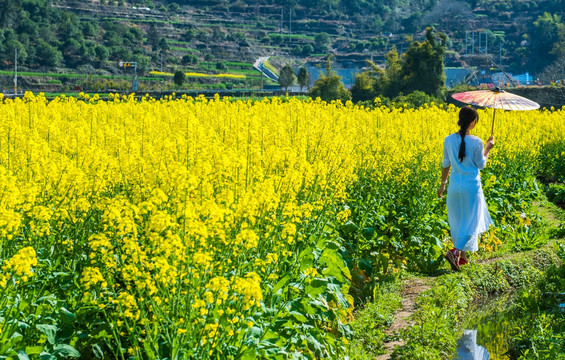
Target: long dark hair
(466, 116)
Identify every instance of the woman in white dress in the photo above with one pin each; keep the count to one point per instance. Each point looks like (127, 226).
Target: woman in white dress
(467, 211)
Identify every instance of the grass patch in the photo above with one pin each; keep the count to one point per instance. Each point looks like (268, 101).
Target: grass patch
(177, 48)
(432, 336)
(370, 324)
(239, 64)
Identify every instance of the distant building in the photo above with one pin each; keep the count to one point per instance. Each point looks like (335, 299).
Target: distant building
(502, 80)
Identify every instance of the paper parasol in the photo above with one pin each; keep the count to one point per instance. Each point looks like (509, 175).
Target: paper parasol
(495, 99)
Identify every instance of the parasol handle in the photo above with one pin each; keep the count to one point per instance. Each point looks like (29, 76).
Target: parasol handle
(492, 130)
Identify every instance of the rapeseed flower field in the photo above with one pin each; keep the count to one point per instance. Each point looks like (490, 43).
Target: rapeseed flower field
(189, 228)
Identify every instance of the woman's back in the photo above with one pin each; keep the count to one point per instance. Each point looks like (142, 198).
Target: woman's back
(472, 163)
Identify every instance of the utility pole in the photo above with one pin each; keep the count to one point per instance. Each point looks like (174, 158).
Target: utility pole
(281, 31)
(135, 83)
(16, 72)
(466, 43)
(473, 43)
(290, 27)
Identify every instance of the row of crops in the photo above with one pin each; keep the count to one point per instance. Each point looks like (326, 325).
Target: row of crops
(192, 228)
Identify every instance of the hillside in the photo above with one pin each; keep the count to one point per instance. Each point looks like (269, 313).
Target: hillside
(207, 38)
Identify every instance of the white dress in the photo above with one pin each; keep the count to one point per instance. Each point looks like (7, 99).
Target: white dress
(466, 206)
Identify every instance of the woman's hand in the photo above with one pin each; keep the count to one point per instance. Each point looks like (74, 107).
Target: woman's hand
(440, 191)
(490, 143)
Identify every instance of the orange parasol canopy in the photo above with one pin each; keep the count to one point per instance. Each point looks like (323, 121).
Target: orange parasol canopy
(495, 99)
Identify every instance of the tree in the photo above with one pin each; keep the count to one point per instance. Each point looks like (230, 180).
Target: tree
(189, 35)
(543, 37)
(102, 53)
(286, 77)
(179, 78)
(422, 68)
(189, 59)
(322, 42)
(153, 36)
(239, 37)
(276, 38)
(174, 7)
(307, 50)
(303, 77)
(329, 87)
(47, 54)
(11, 45)
(364, 87)
(163, 45)
(142, 62)
(389, 81)
(9, 12)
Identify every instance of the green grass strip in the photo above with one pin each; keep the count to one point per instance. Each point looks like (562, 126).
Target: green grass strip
(73, 76)
(178, 48)
(240, 64)
(370, 324)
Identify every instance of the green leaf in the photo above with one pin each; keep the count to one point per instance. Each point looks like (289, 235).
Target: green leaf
(335, 289)
(49, 330)
(47, 356)
(249, 354)
(349, 227)
(22, 325)
(97, 350)
(306, 259)
(23, 305)
(34, 350)
(148, 350)
(22, 355)
(65, 350)
(67, 316)
(336, 267)
(315, 287)
(282, 282)
(368, 233)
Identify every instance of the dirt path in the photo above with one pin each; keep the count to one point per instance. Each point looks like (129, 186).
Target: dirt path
(412, 289)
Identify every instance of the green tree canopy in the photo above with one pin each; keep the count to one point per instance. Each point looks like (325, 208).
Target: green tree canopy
(303, 77)
(322, 42)
(364, 87)
(545, 39)
(330, 87)
(101, 52)
(286, 77)
(179, 78)
(47, 54)
(422, 68)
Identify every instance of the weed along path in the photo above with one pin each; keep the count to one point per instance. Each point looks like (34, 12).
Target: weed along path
(412, 288)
